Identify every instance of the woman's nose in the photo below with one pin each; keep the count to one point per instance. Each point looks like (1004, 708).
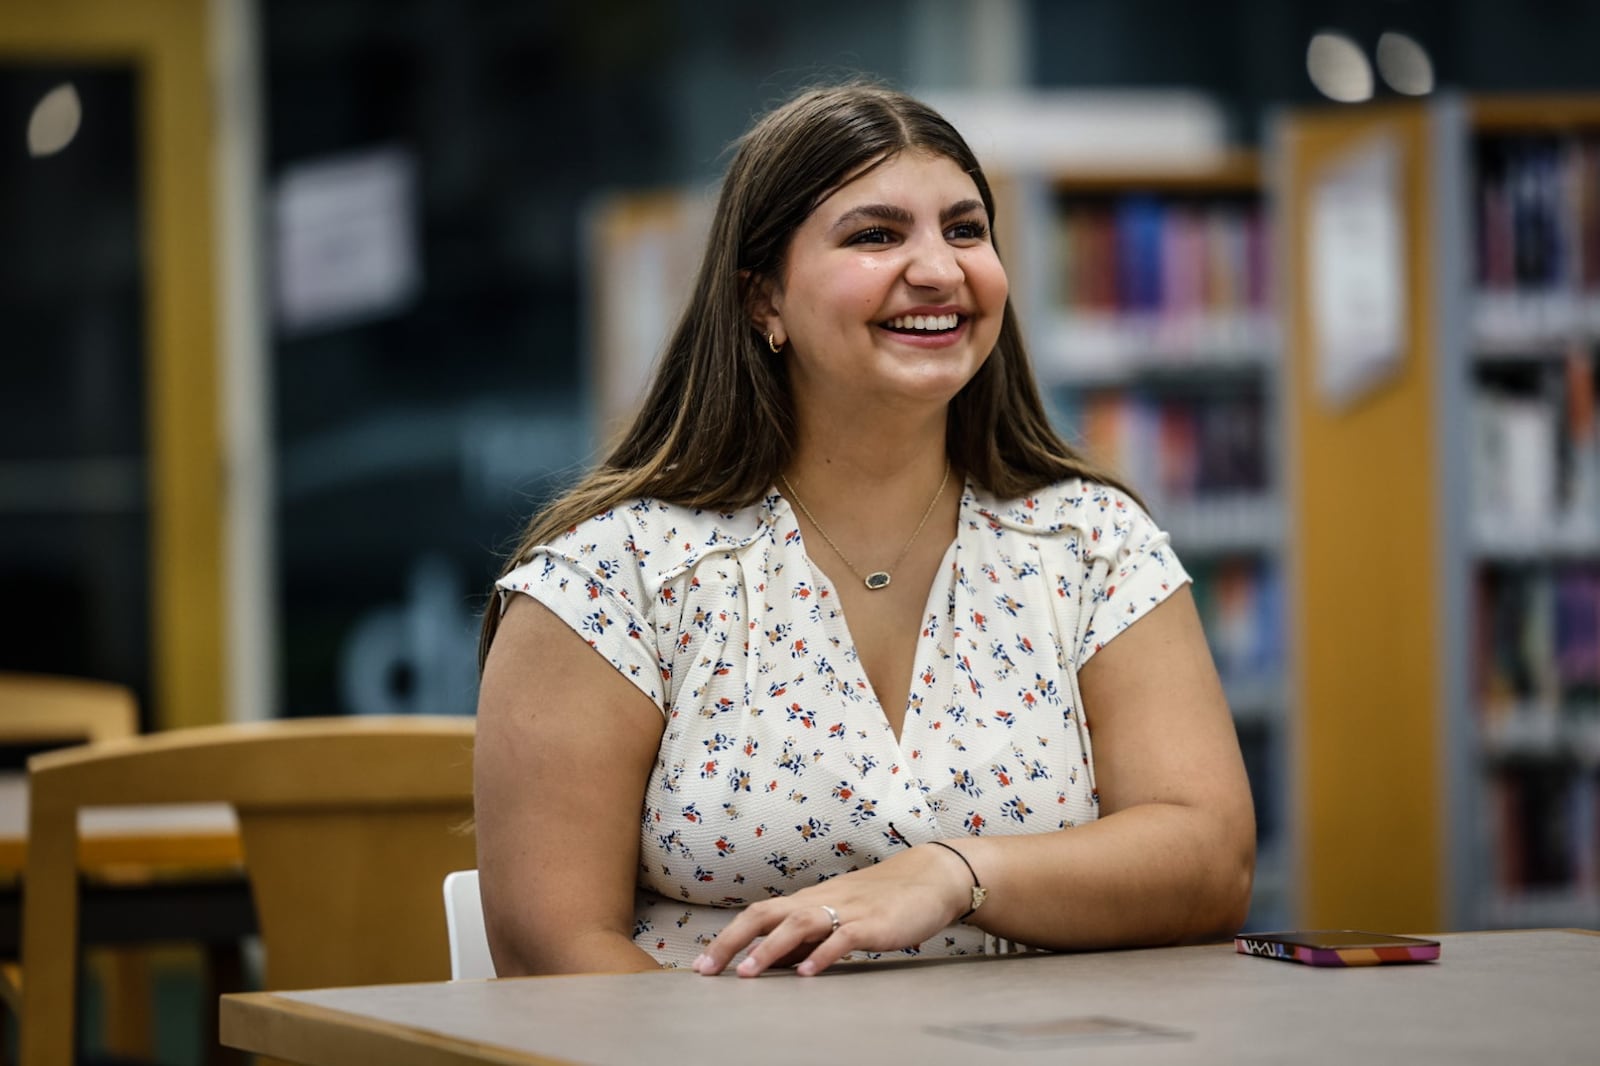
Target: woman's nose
(933, 265)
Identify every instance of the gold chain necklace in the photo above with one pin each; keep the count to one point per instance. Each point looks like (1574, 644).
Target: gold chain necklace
(878, 579)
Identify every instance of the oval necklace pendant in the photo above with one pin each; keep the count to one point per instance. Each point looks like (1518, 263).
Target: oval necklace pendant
(878, 579)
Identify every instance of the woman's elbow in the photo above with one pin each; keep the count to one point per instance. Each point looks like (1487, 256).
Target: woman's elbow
(506, 951)
(1234, 903)
(1223, 901)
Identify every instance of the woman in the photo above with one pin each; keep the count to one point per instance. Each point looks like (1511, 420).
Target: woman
(808, 667)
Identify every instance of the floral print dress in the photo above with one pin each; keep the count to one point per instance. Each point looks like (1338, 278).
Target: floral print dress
(777, 768)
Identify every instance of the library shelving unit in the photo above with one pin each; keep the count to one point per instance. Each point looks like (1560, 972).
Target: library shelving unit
(1534, 533)
(1445, 574)
(1151, 325)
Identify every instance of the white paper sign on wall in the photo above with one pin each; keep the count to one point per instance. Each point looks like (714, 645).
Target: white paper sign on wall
(346, 239)
(1358, 273)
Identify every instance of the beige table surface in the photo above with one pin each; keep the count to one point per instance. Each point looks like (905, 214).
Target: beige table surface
(1515, 997)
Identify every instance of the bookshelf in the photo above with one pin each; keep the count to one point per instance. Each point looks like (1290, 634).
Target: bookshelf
(1152, 326)
(1446, 579)
(1534, 553)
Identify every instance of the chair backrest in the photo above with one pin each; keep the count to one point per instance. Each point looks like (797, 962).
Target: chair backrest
(463, 919)
(39, 708)
(347, 827)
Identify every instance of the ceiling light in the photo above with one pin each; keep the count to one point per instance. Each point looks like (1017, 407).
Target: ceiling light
(1404, 64)
(54, 121)
(1338, 68)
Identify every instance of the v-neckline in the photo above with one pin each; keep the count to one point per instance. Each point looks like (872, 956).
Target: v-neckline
(938, 595)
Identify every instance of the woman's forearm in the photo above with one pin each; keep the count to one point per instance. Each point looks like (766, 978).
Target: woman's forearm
(1150, 874)
(596, 952)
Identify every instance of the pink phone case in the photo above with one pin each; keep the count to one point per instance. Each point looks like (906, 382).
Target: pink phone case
(1346, 947)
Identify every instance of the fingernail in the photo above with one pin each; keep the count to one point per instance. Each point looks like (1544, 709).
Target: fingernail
(701, 963)
(806, 969)
(747, 968)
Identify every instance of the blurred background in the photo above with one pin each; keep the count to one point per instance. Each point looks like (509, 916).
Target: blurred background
(307, 305)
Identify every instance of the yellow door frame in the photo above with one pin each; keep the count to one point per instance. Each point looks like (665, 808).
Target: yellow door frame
(167, 43)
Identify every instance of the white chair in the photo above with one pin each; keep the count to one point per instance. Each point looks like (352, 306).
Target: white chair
(463, 919)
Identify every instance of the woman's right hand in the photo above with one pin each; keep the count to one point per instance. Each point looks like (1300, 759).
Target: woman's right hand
(895, 904)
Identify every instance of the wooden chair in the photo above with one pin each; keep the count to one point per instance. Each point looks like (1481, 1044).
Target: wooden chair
(41, 709)
(37, 710)
(348, 826)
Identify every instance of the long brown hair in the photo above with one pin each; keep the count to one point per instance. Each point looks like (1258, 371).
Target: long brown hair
(717, 424)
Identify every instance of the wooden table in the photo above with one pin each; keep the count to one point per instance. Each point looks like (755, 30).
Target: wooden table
(1530, 997)
(150, 873)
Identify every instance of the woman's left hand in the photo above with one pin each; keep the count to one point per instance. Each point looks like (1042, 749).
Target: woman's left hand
(895, 904)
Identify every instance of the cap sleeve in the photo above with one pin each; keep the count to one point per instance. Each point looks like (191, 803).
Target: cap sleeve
(594, 579)
(1129, 566)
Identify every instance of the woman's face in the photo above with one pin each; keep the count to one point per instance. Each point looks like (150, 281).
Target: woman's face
(892, 292)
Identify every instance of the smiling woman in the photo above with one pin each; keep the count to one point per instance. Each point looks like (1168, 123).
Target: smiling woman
(900, 294)
(703, 738)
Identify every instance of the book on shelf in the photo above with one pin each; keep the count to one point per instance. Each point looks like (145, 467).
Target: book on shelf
(1543, 828)
(1585, 807)
(1137, 223)
(1140, 252)
(1514, 463)
(1177, 447)
(1538, 237)
(1535, 464)
(1538, 205)
(1538, 642)
(1577, 636)
(1147, 280)
(1580, 460)
(1240, 603)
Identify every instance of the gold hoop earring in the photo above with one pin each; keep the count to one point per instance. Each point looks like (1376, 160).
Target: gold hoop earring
(772, 342)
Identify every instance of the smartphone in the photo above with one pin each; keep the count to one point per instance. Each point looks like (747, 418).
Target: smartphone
(1337, 947)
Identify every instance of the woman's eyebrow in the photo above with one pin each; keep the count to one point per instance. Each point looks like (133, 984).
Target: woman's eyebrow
(899, 215)
(875, 213)
(959, 208)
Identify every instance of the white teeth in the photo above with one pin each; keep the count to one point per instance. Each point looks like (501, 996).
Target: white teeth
(925, 322)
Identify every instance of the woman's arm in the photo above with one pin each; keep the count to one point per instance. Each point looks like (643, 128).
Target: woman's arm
(1172, 856)
(564, 751)
(1170, 859)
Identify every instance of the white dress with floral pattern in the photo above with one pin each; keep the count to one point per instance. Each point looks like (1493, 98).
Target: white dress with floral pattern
(777, 768)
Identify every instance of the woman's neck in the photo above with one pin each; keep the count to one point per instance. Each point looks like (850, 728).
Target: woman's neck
(868, 488)
(869, 459)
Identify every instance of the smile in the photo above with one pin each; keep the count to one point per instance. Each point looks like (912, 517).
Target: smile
(923, 323)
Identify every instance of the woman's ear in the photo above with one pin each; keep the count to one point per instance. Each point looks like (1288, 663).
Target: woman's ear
(761, 302)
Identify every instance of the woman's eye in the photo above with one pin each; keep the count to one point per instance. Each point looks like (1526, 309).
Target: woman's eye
(875, 235)
(968, 231)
